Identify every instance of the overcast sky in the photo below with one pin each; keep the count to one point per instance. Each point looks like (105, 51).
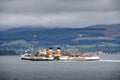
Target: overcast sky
(58, 13)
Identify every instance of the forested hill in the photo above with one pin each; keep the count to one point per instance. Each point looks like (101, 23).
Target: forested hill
(64, 35)
(100, 37)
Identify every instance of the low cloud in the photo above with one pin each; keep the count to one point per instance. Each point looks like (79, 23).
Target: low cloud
(58, 13)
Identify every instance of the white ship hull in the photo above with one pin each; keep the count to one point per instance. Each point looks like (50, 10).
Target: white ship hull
(62, 58)
(33, 58)
(85, 58)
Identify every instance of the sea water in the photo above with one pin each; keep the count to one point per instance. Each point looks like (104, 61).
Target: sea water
(13, 68)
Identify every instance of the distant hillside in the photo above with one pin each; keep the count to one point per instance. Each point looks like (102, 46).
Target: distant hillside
(92, 38)
(50, 36)
(110, 30)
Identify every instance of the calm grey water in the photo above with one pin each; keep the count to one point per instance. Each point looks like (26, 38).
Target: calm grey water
(13, 68)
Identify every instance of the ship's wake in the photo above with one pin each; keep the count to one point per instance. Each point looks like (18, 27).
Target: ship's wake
(93, 61)
(109, 60)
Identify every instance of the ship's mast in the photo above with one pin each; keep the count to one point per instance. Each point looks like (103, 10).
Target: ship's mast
(80, 35)
(33, 43)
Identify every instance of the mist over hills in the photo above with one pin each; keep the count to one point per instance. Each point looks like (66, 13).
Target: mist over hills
(96, 35)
